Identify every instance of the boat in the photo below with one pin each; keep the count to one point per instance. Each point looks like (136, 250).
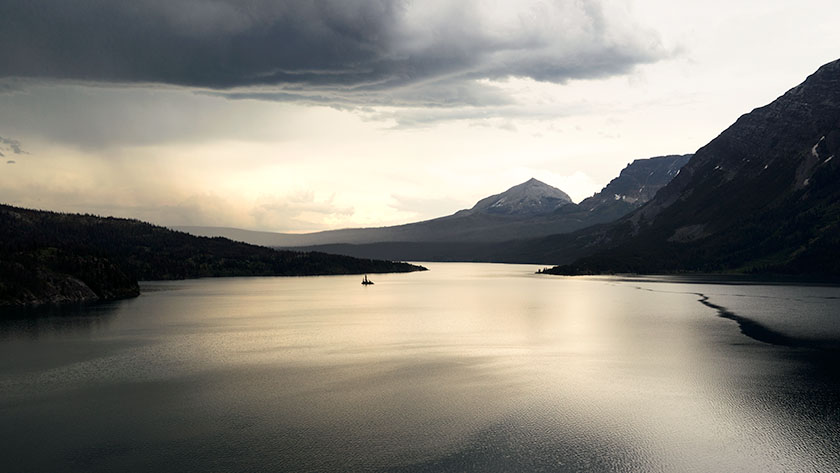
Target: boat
(366, 281)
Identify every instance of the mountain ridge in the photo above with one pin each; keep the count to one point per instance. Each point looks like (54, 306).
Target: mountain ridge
(760, 197)
(527, 210)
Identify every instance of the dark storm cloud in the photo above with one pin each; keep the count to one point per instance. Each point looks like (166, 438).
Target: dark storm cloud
(212, 43)
(436, 94)
(8, 87)
(329, 51)
(8, 145)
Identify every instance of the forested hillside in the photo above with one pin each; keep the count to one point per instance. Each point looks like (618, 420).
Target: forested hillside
(55, 257)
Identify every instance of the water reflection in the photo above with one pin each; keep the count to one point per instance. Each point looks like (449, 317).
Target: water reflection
(46, 321)
(463, 368)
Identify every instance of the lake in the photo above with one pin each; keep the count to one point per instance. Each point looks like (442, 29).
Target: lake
(467, 367)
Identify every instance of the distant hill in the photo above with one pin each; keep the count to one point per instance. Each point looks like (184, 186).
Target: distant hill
(762, 197)
(528, 210)
(48, 257)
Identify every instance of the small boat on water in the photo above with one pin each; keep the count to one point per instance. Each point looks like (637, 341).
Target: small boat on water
(366, 281)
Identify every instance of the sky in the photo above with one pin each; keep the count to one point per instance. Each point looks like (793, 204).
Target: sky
(307, 115)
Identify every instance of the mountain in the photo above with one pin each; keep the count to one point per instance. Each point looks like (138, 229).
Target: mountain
(637, 184)
(764, 196)
(530, 198)
(493, 218)
(528, 210)
(48, 257)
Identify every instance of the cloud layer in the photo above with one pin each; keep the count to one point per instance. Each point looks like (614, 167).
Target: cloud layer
(374, 52)
(10, 146)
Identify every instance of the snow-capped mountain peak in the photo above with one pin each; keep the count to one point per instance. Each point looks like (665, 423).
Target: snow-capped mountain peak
(532, 197)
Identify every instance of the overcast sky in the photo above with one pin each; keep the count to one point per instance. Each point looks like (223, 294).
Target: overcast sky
(301, 115)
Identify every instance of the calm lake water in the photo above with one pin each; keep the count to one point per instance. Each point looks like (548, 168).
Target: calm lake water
(467, 367)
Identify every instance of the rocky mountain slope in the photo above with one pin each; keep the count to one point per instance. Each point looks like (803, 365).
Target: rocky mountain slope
(636, 185)
(764, 196)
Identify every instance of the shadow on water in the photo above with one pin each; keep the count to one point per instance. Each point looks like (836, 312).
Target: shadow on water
(38, 322)
(761, 333)
(754, 329)
(812, 391)
(820, 358)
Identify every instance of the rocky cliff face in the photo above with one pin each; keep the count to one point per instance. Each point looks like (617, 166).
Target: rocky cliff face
(762, 196)
(762, 158)
(635, 186)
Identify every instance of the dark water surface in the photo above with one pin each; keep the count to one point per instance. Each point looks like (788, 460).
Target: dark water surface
(468, 367)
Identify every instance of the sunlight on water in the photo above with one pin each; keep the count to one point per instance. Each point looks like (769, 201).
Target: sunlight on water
(468, 367)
